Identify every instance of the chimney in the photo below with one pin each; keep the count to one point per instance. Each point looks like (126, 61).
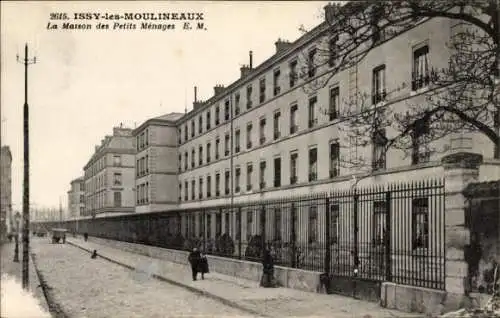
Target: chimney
(245, 70)
(195, 94)
(251, 59)
(331, 10)
(218, 89)
(282, 45)
(198, 104)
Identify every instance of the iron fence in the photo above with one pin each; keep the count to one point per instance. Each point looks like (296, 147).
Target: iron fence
(385, 232)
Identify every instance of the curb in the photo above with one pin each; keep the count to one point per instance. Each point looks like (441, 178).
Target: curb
(192, 289)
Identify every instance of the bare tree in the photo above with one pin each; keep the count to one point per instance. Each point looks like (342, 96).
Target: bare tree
(462, 97)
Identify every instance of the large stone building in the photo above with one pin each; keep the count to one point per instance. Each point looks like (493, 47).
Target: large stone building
(76, 198)
(109, 175)
(6, 191)
(267, 135)
(156, 165)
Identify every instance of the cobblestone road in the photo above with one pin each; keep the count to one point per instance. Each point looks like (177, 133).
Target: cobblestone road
(85, 287)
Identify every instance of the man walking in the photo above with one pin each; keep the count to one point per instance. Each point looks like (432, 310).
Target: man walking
(195, 260)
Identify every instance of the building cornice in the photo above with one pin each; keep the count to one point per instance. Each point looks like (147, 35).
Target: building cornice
(153, 122)
(101, 152)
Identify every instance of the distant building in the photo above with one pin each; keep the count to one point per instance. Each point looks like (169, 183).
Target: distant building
(76, 198)
(109, 175)
(6, 191)
(156, 164)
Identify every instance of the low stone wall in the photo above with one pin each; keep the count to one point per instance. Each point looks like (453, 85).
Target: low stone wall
(287, 277)
(412, 299)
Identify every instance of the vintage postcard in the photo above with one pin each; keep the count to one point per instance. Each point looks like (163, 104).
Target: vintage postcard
(250, 158)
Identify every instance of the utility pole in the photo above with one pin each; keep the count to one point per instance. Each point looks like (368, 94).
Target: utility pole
(26, 186)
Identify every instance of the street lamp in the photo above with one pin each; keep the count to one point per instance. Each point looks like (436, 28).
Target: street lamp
(17, 218)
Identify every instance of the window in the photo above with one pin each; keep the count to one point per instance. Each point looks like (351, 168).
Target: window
(249, 135)
(249, 225)
(180, 162)
(185, 161)
(420, 223)
(313, 164)
(186, 133)
(117, 161)
(311, 66)
(294, 156)
(82, 198)
(226, 145)
(237, 179)
(420, 151)
(237, 141)
(146, 192)
(313, 121)
(332, 51)
(192, 158)
(237, 104)
(217, 116)
(277, 172)
(217, 184)
(217, 147)
(249, 177)
(277, 128)
(192, 128)
(117, 178)
(334, 103)
(420, 75)
(379, 226)
(209, 151)
(209, 186)
(200, 188)
(117, 198)
(313, 224)
(227, 182)
(334, 159)
(249, 96)
(200, 155)
(293, 119)
(146, 163)
(180, 191)
(293, 73)
(209, 226)
(179, 135)
(379, 152)
(262, 131)
(262, 90)
(208, 120)
(200, 124)
(226, 110)
(276, 82)
(262, 175)
(277, 224)
(193, 189)
(334, 223)
(185, 191)
(378, 85)
(146, 137)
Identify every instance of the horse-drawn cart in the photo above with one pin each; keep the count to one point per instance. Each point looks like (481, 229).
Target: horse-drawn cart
(58, 235)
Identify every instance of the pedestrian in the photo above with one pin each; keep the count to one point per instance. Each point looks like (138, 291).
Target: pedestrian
(94, 254)
(267, 279)
(203, 266)
(85, 236)
(195, 261)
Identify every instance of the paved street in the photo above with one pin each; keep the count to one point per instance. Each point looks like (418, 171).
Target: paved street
(85, 287)
(270, 302)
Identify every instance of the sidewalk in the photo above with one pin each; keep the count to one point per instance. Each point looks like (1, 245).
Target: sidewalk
(245, 294)
(9, 267)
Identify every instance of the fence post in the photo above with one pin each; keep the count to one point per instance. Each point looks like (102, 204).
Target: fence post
(263, 227)
(240, 225)
(387, 238)
(293, 236)
(204, 229)
(327, 236)
(356, 230)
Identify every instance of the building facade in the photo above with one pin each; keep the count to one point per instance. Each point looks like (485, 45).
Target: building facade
(76, 198)
(6, 191)
(269, 136)
(156, 165)
(109, 175)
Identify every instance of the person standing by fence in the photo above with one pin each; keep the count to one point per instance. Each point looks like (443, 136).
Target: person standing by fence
(194, 259)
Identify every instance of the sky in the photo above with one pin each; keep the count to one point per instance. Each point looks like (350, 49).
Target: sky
(85, 82)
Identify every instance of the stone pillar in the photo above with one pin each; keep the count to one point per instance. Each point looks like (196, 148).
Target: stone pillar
(460, 169)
